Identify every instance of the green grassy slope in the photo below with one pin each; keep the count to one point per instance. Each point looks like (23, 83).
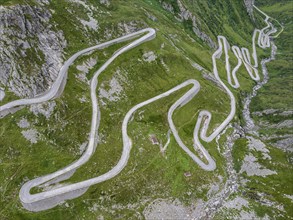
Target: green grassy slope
(276, 94)
(149, 175)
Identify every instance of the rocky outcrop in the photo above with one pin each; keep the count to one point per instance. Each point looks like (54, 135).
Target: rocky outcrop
(185, 15)
(30, 49)
(249, 5)
(284, 144)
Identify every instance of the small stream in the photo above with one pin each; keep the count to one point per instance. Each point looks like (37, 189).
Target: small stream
(214, 204)
(231, 185)
(249, 123)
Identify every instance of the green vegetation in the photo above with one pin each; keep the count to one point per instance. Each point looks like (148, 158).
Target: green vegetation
(275, 94)
(238, 152)
(149, 174)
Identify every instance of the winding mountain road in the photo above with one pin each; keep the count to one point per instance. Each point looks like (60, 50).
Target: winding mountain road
(50, 198)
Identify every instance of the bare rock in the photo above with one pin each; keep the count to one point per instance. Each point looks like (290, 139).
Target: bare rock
(23, 123)
(149, 56)
(237, 203)
(45, 109)
(164, 209)
(285, 144)
(26, 34)
(31, 135)
(167, 6)
(253, 168)
(249, 5)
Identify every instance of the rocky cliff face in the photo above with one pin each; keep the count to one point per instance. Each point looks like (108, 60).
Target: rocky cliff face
(30, 49)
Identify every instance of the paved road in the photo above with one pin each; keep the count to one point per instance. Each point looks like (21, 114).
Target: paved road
(52, 197)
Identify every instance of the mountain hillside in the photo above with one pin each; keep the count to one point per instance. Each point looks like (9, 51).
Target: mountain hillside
(253, 160)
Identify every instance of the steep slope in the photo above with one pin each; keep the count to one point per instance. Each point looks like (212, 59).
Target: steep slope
(31, 52)
(273, 107)
(41, 139)
(271, 133)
